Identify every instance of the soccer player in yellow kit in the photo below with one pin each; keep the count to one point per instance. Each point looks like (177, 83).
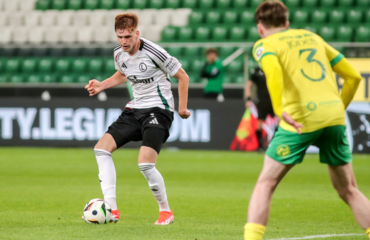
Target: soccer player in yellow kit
(299, 69)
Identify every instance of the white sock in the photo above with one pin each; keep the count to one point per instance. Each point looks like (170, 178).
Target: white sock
(156, 184)
(112, 203)
(107, 176)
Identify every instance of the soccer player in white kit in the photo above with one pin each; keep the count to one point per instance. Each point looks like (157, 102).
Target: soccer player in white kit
(148, 117)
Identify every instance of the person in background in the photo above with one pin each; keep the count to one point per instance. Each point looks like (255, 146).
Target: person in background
(264, 106)
(213, 70)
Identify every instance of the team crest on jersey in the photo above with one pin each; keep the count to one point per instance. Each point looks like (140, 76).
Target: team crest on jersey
(142, 67)
(259, 52)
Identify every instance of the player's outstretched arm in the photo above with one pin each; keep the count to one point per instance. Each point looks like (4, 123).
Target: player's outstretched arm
(94, 87)
(183, 92)
(351, 80)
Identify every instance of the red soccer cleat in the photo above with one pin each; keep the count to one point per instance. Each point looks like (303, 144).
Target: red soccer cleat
(165, 218)
(115, 216)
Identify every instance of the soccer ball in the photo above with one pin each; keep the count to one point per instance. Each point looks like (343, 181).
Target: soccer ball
(97, 211)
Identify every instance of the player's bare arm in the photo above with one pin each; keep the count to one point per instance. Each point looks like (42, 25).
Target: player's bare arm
(95, 86)
(247, 94)
(183, 93)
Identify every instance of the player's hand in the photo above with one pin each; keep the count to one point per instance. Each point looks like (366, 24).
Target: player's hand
(94, 87)
(184, 113)
(288, 119)
(248, 104)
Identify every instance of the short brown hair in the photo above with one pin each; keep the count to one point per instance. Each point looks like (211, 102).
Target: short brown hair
(271, 14)
(212, 50)
(126, 20)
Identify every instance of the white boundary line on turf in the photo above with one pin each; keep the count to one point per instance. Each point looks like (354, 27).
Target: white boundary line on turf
(319, 236)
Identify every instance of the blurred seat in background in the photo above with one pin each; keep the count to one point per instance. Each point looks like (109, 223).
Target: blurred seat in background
(6, 35)
(64, 18)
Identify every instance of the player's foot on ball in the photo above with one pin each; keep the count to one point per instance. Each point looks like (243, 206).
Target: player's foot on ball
(165, 218)
(115, 216)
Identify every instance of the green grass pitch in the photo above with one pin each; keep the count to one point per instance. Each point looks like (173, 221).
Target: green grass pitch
(43, 192)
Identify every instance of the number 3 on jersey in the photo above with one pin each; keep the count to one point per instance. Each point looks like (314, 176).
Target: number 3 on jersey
(310, 60)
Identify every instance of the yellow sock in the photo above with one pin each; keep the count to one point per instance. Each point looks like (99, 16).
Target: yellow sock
(368, 232)
(253, 231)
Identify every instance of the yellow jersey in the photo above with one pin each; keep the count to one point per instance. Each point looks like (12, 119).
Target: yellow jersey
(310, 93)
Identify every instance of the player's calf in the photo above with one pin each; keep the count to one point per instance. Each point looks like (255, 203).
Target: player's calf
(344, 182)
(347, 193)
(156, 184)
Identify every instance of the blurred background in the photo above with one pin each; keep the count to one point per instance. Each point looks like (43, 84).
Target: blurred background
(49, 49)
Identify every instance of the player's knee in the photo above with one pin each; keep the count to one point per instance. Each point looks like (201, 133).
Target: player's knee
(268, 183)
(97, 145)
(347, 192)
(106, 143)
(104, 146)
(100, 147)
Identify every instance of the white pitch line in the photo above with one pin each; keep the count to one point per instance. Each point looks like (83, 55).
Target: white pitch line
(319, 236)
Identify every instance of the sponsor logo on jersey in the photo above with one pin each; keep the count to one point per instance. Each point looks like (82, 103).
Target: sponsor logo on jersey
(311, 106)
(149, 80)
(172, 64)
(123, 65)
(134, 79)
(142, 67)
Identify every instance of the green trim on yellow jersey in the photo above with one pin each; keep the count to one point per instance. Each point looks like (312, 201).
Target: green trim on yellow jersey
(267, 53)
(336, 59)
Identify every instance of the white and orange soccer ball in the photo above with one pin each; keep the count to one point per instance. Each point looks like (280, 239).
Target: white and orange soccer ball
(97, 211)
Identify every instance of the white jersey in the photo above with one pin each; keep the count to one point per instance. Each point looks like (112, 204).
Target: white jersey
(148, 71)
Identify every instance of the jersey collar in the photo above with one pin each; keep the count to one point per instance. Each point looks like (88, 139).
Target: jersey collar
(141, 44)
(140, 48)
